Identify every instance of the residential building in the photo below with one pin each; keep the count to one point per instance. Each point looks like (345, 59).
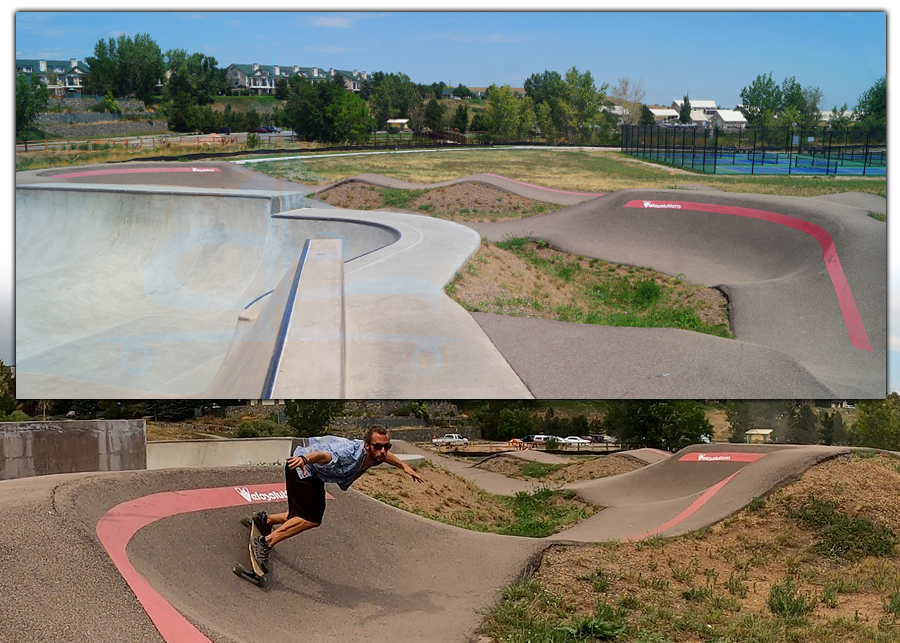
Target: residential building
(60, 76)
(662, 115)
(728, 118)
(261, 78)
(708, 107)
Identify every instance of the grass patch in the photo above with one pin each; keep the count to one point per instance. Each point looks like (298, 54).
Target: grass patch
(841, 536)
(598, 292)
(787, 600)
(539, 469)
(543, 512)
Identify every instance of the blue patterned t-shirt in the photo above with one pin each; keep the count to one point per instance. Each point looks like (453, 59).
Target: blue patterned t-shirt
(347, 457)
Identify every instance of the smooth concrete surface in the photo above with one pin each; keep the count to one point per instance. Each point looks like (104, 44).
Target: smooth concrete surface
(370, 572)
(42, 448)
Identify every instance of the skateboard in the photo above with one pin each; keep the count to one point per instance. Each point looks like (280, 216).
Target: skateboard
(255, 574)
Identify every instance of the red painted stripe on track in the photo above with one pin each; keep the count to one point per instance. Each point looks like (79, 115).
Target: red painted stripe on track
(691, 510)
(541, 187)
(118, 525)
(134, 170)
(852, 319)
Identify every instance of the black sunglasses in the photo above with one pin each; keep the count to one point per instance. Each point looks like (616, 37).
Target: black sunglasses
(386, 446)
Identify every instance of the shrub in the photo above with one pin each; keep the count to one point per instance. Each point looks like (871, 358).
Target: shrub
(260, 429)
(252, 141)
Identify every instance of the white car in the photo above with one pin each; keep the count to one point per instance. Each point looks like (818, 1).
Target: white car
(575, 440)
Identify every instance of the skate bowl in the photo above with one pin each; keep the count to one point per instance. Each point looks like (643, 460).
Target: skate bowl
(160, 544)
(146, 291)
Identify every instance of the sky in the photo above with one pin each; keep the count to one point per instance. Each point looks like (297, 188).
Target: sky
(705, 54)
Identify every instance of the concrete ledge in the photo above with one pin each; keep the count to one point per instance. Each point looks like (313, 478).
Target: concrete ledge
(292, 345)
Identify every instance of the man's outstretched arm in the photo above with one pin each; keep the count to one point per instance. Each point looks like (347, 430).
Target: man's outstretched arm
(400, 464)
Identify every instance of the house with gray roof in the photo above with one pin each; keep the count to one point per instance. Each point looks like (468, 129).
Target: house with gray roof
(60, 76)
(261, 78)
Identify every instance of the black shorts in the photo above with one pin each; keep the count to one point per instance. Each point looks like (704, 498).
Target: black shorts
(305, 496)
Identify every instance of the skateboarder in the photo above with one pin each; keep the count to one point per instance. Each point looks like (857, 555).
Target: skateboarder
(327, 459)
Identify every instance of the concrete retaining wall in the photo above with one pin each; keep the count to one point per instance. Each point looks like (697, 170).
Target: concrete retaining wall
(43, 448)
(190, 454)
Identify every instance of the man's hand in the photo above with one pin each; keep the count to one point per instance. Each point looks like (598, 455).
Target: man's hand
(413, 474)
(297, 461)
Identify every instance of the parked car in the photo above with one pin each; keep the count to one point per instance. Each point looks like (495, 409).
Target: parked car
(574, 440)
(258, 130)
(603, 438)
(542, 438)
(528, 438)
(450, 439)
(223, 130)
(271, 129)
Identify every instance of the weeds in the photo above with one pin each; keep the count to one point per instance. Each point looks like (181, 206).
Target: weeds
(841, 536)
(785, 599)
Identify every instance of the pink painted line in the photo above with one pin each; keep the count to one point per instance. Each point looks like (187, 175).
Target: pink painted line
(134, 170)
(541, 187)
(691, 510)
(721, 456)
(118, 525)
(852, 319)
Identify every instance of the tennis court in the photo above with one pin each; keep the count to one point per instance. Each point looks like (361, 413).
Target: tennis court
(788, 152)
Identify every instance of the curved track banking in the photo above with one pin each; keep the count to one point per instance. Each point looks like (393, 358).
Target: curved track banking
(146, 556)
(806, 280)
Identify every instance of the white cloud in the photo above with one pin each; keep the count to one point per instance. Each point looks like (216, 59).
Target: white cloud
(341, 21)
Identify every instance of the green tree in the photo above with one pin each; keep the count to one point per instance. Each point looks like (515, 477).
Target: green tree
(878, 423)
(502, 112)
(740, 418)
(351, 119)
(196, 75)
(396, 96)
(871, 107)
(460, 120)
(831, 428)
(281, 89)
(647, 117)
(840, 119)
(684, 114)
(803, 425)
(480, 122)
(125, 66)
(760, 101)
(308, 418)
(810, 109)
(669, 425)
(581, 105)
(434, 115)
(544, 88)
(101, 77)
(31, 99)
(462, 91)
(139, 66)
